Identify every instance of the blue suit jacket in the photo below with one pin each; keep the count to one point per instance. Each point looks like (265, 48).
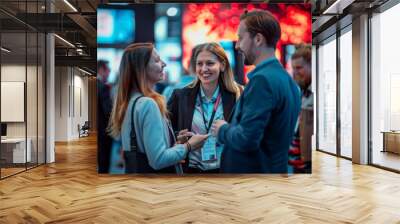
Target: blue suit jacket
(262, 125)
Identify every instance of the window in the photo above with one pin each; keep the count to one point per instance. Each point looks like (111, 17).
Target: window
(385, 89)
(346, 93)
(327, 96)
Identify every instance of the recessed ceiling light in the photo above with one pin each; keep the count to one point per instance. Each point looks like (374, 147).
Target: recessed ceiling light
(337, 7)
(64, 40)
(70, 5)
(86, 72)
(5, 49)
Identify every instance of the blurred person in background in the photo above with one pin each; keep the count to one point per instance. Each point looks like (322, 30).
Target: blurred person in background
(301, 146)
(104, 105)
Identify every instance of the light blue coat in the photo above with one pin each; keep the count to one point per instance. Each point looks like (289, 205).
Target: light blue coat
(152, 134)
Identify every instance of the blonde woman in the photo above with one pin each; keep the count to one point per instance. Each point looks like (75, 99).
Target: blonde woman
(139, 115)
(210, 97)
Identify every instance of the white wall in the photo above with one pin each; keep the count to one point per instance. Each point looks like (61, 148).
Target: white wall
(13, 73)
(16, 73)
(80, 101)
(61, 103)
(10, 73)
(71, 101)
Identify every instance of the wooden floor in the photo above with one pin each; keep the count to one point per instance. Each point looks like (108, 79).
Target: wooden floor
(5, 172)
(10, 171)
(70, 191)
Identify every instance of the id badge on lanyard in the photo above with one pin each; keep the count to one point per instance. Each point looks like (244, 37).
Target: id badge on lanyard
(209, 150)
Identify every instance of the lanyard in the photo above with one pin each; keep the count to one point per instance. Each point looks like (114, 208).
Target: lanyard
(213, 113)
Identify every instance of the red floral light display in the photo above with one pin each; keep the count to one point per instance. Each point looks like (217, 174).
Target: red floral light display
(219, 21)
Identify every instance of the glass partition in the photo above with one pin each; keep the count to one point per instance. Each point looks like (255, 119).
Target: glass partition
(22, 88)
(346, 93)
(327, 96)
(14, 153)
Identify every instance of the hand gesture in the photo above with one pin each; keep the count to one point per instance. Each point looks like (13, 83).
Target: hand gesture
(183, 136)
(216, 126)
(197, 141)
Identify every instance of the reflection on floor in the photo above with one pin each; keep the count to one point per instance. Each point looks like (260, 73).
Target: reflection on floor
(10, 169)
(386, 159)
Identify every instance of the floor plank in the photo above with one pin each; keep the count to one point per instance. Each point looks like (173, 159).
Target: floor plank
(71, 191)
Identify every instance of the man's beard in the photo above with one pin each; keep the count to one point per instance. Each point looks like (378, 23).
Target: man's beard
(302, 83)
(248, 59)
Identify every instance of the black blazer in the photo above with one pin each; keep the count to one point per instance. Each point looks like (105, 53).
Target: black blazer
(182, 102)
(181, 107)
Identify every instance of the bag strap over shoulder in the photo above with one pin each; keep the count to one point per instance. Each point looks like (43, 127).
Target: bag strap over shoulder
(136, 161)
(241, 89)
(134, 144)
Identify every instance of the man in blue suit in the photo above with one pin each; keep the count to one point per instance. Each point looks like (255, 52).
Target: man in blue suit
(261, 127)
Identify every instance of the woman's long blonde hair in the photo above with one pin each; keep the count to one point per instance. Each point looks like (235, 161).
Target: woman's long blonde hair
(226, 77)
(133, 78)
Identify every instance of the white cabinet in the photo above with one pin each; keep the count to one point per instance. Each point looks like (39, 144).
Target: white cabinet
(17, 145)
